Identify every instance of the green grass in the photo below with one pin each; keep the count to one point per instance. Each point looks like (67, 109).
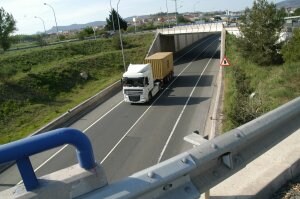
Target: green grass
(24, 44)
(31, 99)
(273, 85)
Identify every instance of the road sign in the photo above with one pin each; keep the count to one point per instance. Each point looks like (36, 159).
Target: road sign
(225, 62)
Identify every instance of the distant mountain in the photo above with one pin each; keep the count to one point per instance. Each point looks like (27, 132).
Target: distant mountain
(289, 4)
(76, 26)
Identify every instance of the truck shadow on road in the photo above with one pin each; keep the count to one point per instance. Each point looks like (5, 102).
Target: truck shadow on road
(191, 80)
(179, 101)
(171, 96)
(194, 56)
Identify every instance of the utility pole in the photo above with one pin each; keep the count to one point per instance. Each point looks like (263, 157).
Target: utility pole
(195, 7)
(175, 11)
(112, 16)
(168, 13)
(121, 36)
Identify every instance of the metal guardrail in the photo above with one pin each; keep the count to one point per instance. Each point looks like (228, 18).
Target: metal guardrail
(186, 175)
(21, 150)
(191, 173)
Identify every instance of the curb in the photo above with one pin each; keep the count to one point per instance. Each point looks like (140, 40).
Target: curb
(291, 172)
(265, 175)
(83, 108)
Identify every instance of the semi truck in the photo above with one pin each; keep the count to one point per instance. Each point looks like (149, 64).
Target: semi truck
(141, 82)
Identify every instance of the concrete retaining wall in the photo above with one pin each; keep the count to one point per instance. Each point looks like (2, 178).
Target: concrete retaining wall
(184, 40)
(174, 43)
(155, 46)
(85, 107)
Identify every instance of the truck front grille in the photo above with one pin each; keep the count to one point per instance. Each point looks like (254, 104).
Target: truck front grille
(134, 98)
(133, 92)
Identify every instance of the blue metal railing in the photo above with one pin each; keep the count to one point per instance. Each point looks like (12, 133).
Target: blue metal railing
(21, 150)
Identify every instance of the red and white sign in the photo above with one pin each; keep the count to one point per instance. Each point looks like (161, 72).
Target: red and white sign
(225, 62)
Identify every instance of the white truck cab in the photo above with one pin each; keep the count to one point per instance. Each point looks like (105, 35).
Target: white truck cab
(138, 83)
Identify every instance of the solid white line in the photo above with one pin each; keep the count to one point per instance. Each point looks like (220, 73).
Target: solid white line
(103, 116)
(51, 157)
(60, 150)
(128, 131)
(182, 111)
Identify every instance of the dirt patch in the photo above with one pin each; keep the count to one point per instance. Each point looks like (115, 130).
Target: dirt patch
(291, 190)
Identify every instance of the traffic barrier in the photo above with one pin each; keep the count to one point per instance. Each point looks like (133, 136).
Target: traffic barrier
(193, 172)
(21, 150)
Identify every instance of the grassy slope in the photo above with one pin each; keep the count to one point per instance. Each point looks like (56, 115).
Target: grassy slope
(273, 86)
(32, 98)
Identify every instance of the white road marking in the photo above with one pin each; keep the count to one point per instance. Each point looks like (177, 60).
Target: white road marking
(128, 131)
(60, 150)
(183, 109)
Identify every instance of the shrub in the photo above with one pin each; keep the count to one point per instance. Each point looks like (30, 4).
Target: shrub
(291, 49)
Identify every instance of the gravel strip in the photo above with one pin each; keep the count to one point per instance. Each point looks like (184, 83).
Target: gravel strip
(291, 190)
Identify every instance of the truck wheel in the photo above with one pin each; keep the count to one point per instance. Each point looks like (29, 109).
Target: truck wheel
(169, 78)
(149, 97)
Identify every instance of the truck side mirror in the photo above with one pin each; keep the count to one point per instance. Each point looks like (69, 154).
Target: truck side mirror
(146, 81)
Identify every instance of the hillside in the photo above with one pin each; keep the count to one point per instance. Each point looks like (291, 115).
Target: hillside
(37, 85)
(76, 26)
(289, 4)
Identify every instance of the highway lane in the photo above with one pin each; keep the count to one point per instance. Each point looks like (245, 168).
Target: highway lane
(143, 137)
(144, 145)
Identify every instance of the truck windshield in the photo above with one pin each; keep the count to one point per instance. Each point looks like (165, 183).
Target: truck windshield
(133, 82)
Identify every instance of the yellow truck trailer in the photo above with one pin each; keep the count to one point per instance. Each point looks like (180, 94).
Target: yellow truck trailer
(143, 81)
(162, 65)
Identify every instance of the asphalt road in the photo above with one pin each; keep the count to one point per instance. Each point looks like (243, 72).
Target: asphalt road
(127, 138)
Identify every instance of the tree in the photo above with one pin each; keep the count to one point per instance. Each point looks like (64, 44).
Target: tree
(112, 20)
(297, 12)
(41, 40)
(260, 28)
(88, 31)
(182, 20)
(291, 49)
(7, 26)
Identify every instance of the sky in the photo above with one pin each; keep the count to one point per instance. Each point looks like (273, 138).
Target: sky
(84, 11)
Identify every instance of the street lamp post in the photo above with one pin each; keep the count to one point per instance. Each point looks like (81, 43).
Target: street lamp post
(94, 30)
(168, 13)
(112, 17)
(54, 16)
(121, 36)
(176, 11)
(42, 21)
(195, 6)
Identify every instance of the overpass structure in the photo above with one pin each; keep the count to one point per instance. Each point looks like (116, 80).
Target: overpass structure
(178, 37)
(186, 175)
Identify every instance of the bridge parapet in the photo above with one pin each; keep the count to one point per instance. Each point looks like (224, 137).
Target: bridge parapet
(195, 28)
